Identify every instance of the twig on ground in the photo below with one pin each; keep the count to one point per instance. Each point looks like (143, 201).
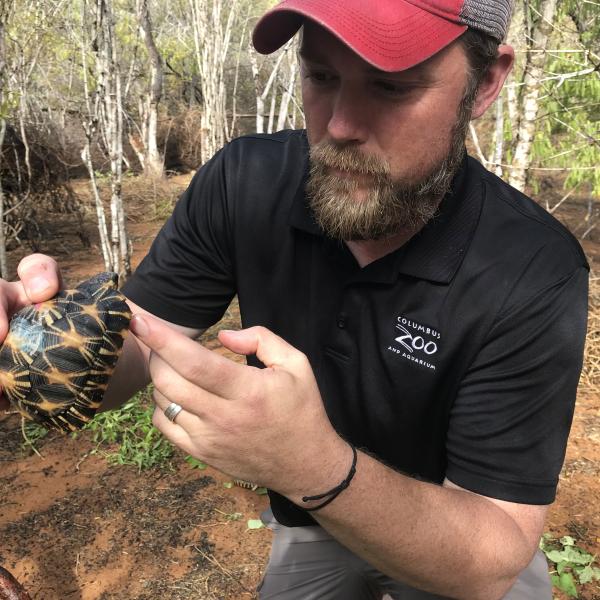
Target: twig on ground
(27, 440)
(211, 559)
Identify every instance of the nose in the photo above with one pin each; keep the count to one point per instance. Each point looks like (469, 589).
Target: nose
(348, 120)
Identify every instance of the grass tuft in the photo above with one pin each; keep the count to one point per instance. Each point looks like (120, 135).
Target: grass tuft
(139, 443)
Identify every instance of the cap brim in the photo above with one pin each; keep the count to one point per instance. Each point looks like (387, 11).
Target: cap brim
(414, 35)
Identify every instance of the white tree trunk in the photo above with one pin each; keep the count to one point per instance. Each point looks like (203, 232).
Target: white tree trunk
(477, 145)
(3, 261)
(232, 124)
(136, 144)
(499, 145)
(104, 108)
(5, 9)
(272, 111)
(113, 124)
(212, 36)
(262, 95)
(530, 95)
(89, 124)
(153, 161)
(517, 39)
(260, 103)
(24, 138)
(287, 95)
(100, 214)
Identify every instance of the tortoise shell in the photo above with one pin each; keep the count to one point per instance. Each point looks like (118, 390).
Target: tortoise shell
(58, 356)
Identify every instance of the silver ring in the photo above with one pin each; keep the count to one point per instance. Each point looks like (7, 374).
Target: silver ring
(172, 411)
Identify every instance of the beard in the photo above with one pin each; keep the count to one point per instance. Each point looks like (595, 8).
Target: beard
(390, 205)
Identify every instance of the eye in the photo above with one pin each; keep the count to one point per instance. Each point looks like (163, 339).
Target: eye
(392, 88)
(319, 77)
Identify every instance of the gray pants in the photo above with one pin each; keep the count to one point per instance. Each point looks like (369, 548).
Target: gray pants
(306, 563)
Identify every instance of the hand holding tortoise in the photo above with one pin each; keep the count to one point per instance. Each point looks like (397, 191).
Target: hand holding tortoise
(59, 354)
(39, 280)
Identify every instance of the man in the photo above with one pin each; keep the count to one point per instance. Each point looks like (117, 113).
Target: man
(420, 322)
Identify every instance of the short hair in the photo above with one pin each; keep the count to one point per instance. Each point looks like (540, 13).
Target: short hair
(481, 50)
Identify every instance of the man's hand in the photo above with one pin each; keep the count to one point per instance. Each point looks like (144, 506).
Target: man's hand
(39, 280)
(263, 425)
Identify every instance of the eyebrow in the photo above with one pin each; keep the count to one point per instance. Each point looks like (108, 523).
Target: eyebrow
(419, 71)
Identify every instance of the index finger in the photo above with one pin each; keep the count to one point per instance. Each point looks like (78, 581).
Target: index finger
(194, 362)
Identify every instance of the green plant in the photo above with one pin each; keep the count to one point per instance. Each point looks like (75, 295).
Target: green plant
(140, 443)
(572, 565)
(195, 463)
(32, 432)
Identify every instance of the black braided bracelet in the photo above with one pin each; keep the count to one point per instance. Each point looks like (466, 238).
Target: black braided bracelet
(332, 494)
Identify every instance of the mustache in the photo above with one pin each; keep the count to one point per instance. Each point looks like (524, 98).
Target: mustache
(348, 158)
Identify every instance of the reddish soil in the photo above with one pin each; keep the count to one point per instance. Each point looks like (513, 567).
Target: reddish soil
(72, 527)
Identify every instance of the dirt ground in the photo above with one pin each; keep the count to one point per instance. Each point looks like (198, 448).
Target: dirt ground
(72, 527)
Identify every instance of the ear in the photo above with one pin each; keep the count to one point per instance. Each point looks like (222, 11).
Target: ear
(491, 85)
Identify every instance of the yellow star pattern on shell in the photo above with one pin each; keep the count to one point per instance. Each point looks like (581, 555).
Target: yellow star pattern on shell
(58, 356)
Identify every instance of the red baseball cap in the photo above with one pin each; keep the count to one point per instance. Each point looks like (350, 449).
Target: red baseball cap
(392, 35)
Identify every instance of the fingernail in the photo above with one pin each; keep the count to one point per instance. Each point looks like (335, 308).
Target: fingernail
(139, 325)
(37, 285)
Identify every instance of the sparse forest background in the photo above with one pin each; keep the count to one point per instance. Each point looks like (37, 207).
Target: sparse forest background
(111, 89)
(106, 108)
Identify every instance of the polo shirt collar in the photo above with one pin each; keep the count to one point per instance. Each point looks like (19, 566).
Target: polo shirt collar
(436, 252)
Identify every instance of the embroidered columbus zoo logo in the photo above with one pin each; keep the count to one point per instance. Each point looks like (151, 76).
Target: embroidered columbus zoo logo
(415, 342)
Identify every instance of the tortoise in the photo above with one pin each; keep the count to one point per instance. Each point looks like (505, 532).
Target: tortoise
(248, 485)
(58, 356)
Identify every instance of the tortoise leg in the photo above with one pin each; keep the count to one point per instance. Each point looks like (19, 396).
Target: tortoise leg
(249, 485)
(10, 588)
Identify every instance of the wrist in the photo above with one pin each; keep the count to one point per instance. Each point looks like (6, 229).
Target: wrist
(324, 474)
(329, 496)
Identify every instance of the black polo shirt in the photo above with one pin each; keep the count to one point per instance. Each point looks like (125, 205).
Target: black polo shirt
(456, 356)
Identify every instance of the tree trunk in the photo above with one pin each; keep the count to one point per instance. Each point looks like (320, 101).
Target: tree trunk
(4, 12)
(24, 139)
(272, 111)
(516, 38)
(287, 95)
(89, 124)
(234, 95)
(119, 213)
(3, 261)
(100, 215)
(499, 145)
(212, 36)
(153, 161)
(104, 108)
(261, 96)
(534, 68)
(260, 103)
(113, 125)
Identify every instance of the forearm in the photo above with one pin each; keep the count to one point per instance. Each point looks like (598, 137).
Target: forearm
(442, 540)
(130, 375)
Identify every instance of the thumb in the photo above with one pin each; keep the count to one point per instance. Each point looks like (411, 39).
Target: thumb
(270, 349)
